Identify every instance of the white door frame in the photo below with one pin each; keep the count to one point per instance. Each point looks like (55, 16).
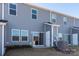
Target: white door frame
(2, 27)
(36, 46)
(52, 26)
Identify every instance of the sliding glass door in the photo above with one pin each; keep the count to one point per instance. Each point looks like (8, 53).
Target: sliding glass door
(37, 38)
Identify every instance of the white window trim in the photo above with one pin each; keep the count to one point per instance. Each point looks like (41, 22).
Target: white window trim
(32, 13)
(11, 35)
(13, 9)
(27, 36)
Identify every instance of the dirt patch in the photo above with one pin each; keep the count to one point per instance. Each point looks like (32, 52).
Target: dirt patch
(24, 51)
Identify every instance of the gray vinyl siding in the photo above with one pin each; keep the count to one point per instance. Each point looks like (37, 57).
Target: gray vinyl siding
(64, 28)
(24, 21)
(77, 22)
(0, 11)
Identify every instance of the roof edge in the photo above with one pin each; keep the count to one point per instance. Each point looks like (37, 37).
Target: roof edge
(44, 8)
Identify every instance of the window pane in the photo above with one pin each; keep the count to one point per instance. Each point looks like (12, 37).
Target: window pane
(53, 16)
(69, 39)
(12, 12)
(24, 38)
(15, 38)
(54, 20)
(34, 16)
(13, 6)
(24, 33)
(15, 32)
(34, 11)
(65, 37)
(36, 40)
(35, 34)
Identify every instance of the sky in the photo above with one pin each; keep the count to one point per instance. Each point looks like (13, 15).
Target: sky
(67, 8)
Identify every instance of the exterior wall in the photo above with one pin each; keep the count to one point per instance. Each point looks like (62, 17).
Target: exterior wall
(0, 10)
(77, 22)
(24, 21)
(0, 30)
(64, 28)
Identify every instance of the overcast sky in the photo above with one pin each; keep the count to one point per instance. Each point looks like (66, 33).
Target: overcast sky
(67, 8)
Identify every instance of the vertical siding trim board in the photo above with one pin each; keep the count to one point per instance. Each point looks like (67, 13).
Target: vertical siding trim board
(2, 10)
(51, 36)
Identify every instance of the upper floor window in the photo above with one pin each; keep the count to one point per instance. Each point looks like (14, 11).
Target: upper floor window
(34, 14)
(12, 9)
(65, 20)
(53, 18)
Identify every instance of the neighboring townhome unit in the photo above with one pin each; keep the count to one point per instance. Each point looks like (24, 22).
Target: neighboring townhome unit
(27, 24)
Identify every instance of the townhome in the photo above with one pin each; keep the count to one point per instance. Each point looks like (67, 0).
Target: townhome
(39, 27)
